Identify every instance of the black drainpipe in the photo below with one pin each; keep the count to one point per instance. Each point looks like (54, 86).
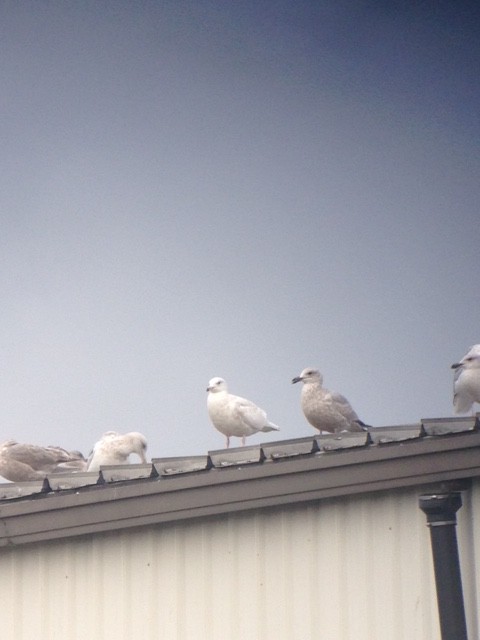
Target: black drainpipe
(440, 510)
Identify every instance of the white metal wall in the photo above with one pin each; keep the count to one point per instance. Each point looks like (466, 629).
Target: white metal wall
(357, 568)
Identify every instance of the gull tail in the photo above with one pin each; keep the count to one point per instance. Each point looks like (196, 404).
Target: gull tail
(362, 425)
(270, 427)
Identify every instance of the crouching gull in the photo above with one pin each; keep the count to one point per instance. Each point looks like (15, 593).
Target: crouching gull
(466, 384)
(233, 415)
(115, 448)
(25, 462)
(326, 410)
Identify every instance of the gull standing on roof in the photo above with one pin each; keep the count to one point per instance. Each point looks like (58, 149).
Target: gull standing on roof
(466, 384)
(233, 415)
(115, 448)
(25, 462)
(326, 410)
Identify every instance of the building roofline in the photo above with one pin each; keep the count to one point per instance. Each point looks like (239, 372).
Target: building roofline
(261, 480)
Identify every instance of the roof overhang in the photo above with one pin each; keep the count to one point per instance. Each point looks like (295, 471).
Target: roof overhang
(218, 490)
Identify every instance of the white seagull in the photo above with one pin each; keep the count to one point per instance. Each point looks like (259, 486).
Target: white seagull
(234, 416)
(466, 384)
(23, 462)
(115, 448)
(326, 410)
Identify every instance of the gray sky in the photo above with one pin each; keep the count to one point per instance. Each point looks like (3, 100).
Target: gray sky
(198, 189)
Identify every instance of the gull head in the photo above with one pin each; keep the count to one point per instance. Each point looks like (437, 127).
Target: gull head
(138, 444)
(216, 385)
(309, 376)
(139, 441)
(471, 360)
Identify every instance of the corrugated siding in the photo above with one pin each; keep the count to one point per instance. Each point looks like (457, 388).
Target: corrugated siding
(354, 568)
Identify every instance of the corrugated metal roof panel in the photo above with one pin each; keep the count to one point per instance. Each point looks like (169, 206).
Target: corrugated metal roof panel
(73, 480)
(445, 426)
(122, 472)
(236, 456)
(383, 435)
(10, 490)
(289, 448)
(181, 464)
(343, 440)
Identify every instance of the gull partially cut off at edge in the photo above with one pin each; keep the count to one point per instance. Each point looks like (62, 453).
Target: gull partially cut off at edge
(466, 382)
(25, 462)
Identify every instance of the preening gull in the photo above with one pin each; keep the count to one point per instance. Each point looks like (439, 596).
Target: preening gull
(233, 415)
(115, 448)
(22, 462)
(466, 384)
(326, 410)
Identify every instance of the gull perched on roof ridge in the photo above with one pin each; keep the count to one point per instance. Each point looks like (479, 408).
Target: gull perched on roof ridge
(24, 462)
(326, 410)
(466, 382)
(114, 448)
(233, 415)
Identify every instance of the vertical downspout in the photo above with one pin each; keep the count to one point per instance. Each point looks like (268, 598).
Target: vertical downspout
(440, 510)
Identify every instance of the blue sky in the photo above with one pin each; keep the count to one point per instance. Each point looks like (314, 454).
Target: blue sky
(199, 189)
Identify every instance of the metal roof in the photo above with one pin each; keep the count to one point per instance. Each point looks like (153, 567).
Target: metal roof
(277, 473)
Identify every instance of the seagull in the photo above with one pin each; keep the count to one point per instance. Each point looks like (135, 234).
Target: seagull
(234, 416)
(115, 448)
(77, 463)
(466, 384)
(326, 410)
(25, 462)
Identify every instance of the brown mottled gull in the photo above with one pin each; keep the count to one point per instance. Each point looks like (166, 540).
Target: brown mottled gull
(326, 410)
(23, 462)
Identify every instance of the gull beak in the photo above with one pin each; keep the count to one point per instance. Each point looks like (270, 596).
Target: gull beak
(456, 365)
(297, 379)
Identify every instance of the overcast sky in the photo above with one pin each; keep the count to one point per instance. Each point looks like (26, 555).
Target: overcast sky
(199, 188)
